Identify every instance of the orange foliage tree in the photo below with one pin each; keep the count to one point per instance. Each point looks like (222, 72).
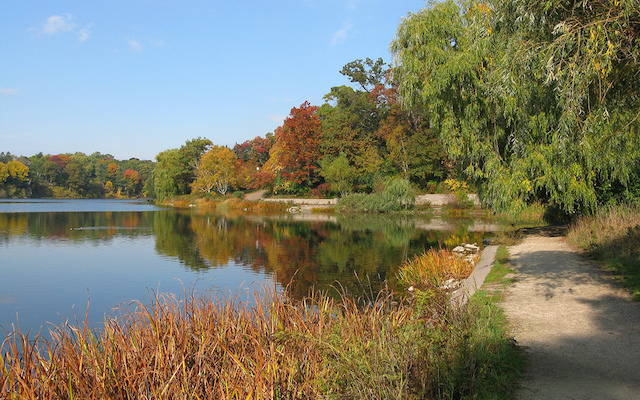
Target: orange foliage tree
(298, 142)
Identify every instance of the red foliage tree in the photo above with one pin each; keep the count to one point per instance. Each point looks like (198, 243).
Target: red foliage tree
(299, 141)
(132, 181)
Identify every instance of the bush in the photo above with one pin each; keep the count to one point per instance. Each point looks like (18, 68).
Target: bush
(398, 195)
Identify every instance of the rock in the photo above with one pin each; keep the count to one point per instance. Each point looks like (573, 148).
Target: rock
(458, 249)
(472, 247)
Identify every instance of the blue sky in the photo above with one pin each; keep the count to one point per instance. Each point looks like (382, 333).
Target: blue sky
(132, 78)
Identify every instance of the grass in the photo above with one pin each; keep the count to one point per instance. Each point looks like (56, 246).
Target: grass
(205, 346)
(612, 236)
(227, 204)
(430, 270)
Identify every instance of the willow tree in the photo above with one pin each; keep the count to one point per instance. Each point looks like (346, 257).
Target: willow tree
(536, 100)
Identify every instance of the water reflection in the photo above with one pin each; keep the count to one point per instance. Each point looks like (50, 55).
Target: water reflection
(50, 260)
(303, 255)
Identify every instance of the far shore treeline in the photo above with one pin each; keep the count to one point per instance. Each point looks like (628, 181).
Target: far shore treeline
(519, 101)
(356, 141)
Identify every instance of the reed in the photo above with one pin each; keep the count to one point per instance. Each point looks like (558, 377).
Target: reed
(431, 269)
(207, 346)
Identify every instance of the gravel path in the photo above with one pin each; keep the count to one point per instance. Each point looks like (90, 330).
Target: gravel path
(579, 329)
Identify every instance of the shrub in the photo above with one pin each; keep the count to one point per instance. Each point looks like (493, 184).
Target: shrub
(398, 195)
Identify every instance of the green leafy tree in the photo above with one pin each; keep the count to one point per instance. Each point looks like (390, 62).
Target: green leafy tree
(168, 167)
(175, 168)
(338, 173)
(519, 101)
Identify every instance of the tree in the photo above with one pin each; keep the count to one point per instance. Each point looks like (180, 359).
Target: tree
(515, 92)
(338, 173)
(168, 166)
(175, 168)
(368, 74)
(132, 182)
(215, 169)
(298, 145)
(4, 172)
(18, 172)
(112, 170)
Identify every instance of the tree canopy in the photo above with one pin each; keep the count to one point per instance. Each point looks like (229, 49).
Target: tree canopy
(534, 100)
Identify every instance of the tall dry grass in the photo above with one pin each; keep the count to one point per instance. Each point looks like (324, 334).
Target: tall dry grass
(612, 236)
(607, 225)
(209, 347)
(431, 269)
(203, 348)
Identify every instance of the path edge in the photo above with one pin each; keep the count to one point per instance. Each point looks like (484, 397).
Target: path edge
(474, 282)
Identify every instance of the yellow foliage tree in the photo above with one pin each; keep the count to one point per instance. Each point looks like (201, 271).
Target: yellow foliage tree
(215, 169)
(4, 172)
(18, 171)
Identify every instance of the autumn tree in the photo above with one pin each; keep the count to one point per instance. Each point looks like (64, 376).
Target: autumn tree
(4, 172)
(215, 170)
(297, 147)
(132, 182)
(252, 155)
(18, 172)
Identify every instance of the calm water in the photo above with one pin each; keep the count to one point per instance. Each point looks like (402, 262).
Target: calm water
(56, 255)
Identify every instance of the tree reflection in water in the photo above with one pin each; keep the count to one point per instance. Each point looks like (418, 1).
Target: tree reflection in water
(355, 252)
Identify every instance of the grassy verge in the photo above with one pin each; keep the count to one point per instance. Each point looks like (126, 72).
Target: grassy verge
(612, 236)
(411, 347)
(229, 205)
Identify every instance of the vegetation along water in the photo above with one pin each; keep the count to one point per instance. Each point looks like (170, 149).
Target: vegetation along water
(531, 105)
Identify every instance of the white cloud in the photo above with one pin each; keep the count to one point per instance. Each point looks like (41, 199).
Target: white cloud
(341, 35)
(83, 35)
(58, 23)
(63, 24)
(134, 46)
(8, 91)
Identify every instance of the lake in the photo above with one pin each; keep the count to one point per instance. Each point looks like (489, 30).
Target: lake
(56, 256)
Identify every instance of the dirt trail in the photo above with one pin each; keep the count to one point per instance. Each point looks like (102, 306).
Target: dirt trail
(580, 330)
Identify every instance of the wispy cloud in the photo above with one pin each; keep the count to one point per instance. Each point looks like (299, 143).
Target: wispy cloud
(58, 23)
(137, 45)
(134, 46)
(63, 23)
(341, 35)
(83, 35)
(8, 91)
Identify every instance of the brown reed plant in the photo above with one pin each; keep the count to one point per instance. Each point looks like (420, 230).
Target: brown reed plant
(203, 348)
(430, 270)
(208, 346)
